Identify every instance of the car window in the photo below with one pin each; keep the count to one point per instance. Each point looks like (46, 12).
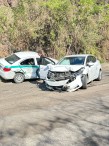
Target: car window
(72, 61)
(88, 59)
(44, 61)
(12, 59)
(93, 59)
(29, 61)
(49, 61)
(38, 61)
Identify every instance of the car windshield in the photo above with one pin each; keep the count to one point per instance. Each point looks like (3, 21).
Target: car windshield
(72, 61)
(12, 59)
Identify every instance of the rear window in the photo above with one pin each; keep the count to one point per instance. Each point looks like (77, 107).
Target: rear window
(12, 59)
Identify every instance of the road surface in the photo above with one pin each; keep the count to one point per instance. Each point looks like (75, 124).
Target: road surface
(33, 116)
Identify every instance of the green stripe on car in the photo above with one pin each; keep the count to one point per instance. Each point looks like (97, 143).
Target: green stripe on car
(23, 66)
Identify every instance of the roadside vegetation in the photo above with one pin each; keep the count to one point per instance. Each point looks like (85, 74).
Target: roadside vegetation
(58, 27)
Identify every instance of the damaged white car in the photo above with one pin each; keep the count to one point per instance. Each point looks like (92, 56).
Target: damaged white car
(73, 72)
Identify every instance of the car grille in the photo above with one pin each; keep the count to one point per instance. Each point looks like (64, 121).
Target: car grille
(58, 76)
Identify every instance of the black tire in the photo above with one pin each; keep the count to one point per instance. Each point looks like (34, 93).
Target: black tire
(19, 78)
(99, 76)
(84, 82)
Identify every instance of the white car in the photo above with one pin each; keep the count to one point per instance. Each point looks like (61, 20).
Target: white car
(73, 72)
(23, 65)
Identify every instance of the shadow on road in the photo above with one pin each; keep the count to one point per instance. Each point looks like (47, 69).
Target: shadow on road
(40, 84)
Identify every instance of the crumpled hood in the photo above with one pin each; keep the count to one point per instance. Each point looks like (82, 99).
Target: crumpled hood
(65, 68)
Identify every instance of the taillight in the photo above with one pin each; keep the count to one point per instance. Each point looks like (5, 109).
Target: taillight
(6, 69)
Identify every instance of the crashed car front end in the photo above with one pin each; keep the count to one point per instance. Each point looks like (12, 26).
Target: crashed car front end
(65, 80)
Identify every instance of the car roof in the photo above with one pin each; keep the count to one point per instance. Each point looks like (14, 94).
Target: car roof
(79, 55)
(27, 54)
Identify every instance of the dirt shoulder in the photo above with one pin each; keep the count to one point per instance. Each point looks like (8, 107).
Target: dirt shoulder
(105, 66)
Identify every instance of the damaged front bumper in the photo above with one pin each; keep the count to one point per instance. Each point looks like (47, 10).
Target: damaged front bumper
(65, 85)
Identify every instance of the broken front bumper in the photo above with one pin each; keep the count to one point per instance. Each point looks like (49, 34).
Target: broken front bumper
(64, 84)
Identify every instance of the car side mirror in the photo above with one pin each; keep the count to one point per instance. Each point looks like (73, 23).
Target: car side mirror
(90, 64)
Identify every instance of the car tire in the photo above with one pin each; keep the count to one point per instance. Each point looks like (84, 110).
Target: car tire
(19, 78)
(84, 82)
(99, 76)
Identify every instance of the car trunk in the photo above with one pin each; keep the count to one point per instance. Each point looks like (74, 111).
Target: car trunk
(3, 63)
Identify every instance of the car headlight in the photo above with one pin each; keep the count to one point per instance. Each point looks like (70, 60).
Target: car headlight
(49, 74)
(80, 71)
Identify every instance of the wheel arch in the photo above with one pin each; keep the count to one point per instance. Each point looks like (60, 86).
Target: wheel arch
(19, 72)
(19, 77)
(86, 75)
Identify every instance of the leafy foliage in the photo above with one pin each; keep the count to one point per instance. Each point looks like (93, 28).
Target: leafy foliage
(58, 27)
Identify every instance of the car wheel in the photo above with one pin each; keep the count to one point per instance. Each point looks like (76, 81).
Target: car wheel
(84, 82)
(19, 78)
(99, 76)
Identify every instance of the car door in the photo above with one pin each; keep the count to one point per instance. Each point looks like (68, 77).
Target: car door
(90, 69)
(27, 66)
(94, 67)
(43, 66)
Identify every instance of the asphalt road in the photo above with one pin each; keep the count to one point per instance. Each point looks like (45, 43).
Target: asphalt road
(32, 116)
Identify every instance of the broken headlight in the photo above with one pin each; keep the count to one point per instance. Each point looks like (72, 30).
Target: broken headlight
(50, 74)
(79, 72)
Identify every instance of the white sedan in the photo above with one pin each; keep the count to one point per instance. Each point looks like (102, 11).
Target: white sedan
(23, 65)
(73, 72)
